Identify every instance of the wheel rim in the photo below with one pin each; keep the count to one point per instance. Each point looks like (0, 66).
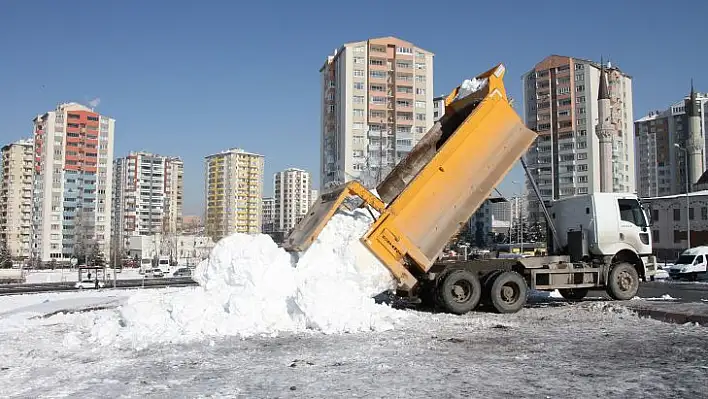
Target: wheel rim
(510, 293)
(461, 291)
(624, 281)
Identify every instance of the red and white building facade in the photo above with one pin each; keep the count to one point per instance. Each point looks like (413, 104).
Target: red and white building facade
(73, 154)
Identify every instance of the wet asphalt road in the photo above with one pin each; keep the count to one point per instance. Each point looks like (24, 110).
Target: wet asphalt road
(681, 291)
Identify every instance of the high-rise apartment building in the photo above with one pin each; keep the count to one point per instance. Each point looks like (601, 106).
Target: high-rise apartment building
(268, 210)
(376, 105)
(234, 187)
(292, 198)
(73, 181)
(314, 196)
(16, 172)
(560, 102)
(438, 107)
(147, 196)
(661, 166)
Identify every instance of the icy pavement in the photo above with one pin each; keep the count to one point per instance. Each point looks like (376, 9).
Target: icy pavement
(589, 349)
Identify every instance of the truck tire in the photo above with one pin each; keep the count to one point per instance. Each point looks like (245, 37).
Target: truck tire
(487, 281)
(508, 292)
(573, 294)
(459, 291)
(622, 282)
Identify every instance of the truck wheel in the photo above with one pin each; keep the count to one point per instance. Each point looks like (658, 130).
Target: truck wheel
(459, 292)
(623, 282)
(573, 294)
(487, 281)
(508, 292)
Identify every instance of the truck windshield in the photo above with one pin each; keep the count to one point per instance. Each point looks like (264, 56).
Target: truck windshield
(631, 211)
(685, 260)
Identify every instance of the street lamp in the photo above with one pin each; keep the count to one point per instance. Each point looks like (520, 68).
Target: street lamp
(688, 203)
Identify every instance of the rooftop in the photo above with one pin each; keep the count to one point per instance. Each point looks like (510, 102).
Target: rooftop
(233, 151)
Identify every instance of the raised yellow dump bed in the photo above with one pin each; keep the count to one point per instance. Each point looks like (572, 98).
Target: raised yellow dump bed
(434, 191)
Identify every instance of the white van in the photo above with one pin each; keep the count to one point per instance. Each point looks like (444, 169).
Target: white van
(690, 264)
(145, 265)
(163, 263)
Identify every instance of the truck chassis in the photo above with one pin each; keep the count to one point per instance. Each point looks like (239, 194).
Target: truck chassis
(460, 286)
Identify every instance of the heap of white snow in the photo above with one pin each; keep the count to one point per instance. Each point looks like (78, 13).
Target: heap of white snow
(249, 286)
(470, 86)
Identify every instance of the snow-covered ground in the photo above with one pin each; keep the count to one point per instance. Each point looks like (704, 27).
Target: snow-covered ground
(552, 349)
(264, 324)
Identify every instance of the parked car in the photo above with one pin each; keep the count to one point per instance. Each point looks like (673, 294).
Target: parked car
(157, 273)
(89, 284)
(182, 272)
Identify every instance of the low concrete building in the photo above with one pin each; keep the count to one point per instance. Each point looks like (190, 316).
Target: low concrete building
(185, 250)
(669, 224)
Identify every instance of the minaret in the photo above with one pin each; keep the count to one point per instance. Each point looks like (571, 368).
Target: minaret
(605, 131)
(694, 142)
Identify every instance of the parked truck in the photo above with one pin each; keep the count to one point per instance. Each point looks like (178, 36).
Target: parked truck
(597, 241)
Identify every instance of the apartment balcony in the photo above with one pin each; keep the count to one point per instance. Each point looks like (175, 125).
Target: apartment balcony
(404, 147)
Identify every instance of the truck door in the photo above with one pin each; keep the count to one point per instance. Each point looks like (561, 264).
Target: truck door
(633, 227)
(699, 265)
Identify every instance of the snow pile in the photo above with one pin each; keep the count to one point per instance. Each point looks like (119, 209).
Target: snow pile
(337, 278)
(470, 86)
(249, 286)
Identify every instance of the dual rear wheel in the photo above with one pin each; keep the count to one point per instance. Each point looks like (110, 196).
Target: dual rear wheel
(460, 291)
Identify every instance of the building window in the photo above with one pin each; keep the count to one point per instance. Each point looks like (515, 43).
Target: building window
(420, 78)
(358, 85)
(704, 213)
(359, 113)
(420, 104)
(378, 100)
(677, 214)
(358, 60)
(655, 214)
(404, 50)
(358, 73)
(655, 236)
(358, 100)
(420, 117)
(690, 213)
(679, 235)
(377, 61)
(420, 92)
(378, 74)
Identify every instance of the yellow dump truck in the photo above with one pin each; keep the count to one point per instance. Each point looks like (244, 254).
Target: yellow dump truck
(445, 178)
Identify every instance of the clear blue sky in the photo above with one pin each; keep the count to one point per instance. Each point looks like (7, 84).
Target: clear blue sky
(193, 78)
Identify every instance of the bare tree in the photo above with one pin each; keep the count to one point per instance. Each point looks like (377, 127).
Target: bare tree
(5, 256)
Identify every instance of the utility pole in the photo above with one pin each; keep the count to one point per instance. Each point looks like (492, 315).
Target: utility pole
(521, 214)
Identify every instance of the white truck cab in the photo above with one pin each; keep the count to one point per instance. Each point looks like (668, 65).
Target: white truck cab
(615, 225)
(690, 264)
